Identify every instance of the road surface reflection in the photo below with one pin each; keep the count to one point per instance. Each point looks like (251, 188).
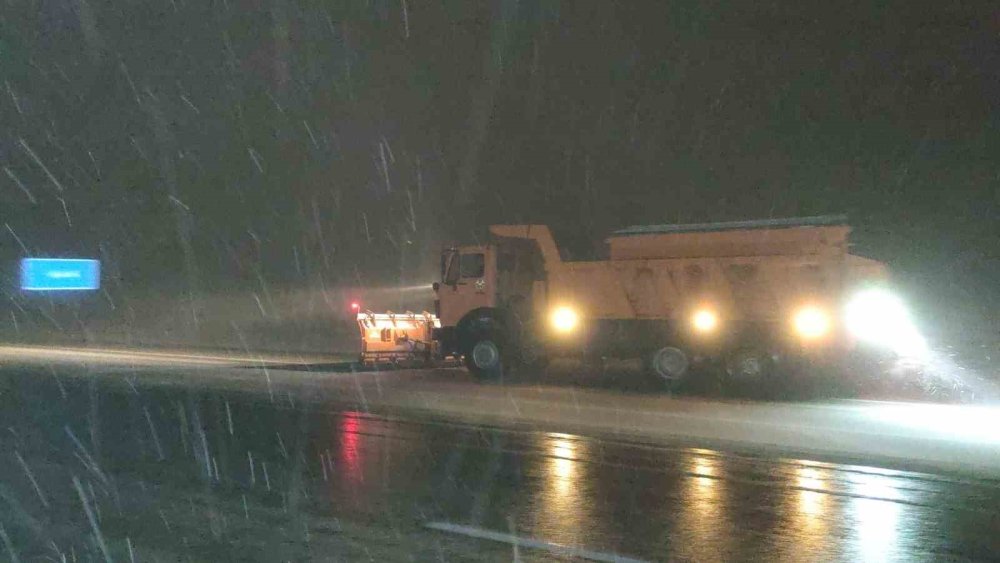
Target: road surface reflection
(350, 437)
(688, 504)
(277, 456)
(368, 462)
(562, 504)
(646, 502)
(703, 530)
(876, 516)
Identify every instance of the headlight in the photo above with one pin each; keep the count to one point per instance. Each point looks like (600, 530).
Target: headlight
(878, 317)
(704, 320)
(811, 323)
(564, 319)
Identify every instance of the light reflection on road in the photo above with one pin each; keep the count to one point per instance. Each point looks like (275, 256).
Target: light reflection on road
(876, 516)
(702, 509)
(811, 483)
(823, 512)
(369, 461)
(350, 439)
(643, 500)
(810, 511)
(563, 505)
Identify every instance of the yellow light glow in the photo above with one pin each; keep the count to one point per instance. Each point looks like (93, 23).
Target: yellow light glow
(704, 467)
(705, 320)
(564, 319)
(808, 478)
(704, 502)
(561, 507)
(563, 461)
(811, 323)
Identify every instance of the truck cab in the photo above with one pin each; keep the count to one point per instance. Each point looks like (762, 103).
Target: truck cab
(467, 282)
(497, 289)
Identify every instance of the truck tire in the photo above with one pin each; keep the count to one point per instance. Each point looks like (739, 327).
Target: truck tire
(750, 364)
(484, 359)
(668, 364)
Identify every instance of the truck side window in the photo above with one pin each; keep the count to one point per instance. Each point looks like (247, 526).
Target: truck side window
(473, 265)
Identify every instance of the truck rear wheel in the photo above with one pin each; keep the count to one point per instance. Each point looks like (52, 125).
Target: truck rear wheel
(750, 364)
(483, 359)
(669, 364)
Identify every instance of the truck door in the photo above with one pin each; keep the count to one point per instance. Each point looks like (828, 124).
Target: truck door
(519, 267)
(469, 282)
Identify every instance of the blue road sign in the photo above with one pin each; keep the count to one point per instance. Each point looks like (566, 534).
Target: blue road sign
(60, 274)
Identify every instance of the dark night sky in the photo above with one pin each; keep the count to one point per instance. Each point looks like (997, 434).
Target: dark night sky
(217, 142)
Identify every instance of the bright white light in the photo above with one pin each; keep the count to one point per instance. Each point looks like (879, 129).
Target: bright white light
(564, 319)
(965, 423)
(705, 320)
(876, 517)
(811, 322)
(878, 317)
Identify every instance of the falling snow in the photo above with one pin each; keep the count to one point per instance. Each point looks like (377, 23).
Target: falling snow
(243, 176)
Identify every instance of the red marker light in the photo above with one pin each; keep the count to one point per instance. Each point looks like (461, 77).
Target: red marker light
(355, 306)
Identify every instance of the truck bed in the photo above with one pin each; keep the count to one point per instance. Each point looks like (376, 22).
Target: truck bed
(761, 288)
(774, 237)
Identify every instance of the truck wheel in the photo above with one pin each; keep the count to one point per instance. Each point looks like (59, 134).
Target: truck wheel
(483, 359)
(750, 364)
(669, 364)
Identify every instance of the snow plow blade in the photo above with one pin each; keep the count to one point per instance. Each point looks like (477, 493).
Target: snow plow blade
(397, 337)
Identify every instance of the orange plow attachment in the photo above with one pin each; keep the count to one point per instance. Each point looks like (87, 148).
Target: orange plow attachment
(395, 337)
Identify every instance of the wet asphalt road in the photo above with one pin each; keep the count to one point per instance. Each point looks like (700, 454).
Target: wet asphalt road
(92, 468)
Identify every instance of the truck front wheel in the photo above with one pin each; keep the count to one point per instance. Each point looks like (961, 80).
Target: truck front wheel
(483, 359)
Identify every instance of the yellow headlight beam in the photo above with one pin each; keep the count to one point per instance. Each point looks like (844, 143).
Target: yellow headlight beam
(705, 320)
(564, 320)
(811, 323)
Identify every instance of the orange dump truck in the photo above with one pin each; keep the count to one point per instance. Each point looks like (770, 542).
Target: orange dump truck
(742, 292)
